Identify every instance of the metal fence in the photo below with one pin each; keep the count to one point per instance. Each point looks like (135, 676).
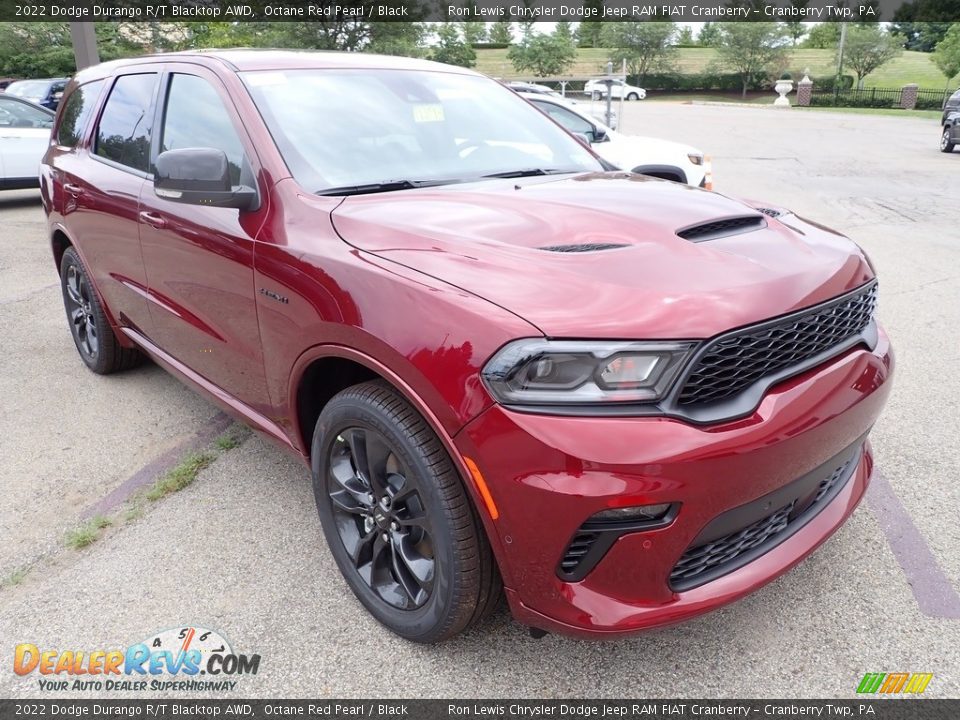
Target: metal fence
(878, 98)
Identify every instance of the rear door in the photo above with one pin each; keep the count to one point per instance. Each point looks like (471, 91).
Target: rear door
(199, 260)
(99, 187)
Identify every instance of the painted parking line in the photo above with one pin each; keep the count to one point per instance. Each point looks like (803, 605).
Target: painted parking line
(213, 428)
(931, 588)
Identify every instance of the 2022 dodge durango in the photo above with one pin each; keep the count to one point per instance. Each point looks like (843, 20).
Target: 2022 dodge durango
(622, 401)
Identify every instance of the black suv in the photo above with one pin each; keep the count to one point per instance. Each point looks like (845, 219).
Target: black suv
(950, 122)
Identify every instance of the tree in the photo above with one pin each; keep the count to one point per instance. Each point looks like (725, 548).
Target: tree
(752, 50)
(685, 37)
(867, 48)
(451, 48)
(501, 33)
(646, 46)
(795, 28)
(825, 35)
(474, 31)
(946, 55)
(588, 34)
(543, 55)
(921, 23)
(564, 29)
(709, 35)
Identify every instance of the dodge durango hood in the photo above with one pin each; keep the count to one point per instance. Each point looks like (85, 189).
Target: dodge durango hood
(607, 255)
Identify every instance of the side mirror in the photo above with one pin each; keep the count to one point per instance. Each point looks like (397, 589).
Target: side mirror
(599, 136)
(200, 176)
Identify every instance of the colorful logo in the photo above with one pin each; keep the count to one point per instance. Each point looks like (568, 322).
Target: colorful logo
(185, 653)
(893, 683)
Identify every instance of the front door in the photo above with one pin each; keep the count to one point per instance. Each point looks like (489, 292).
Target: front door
(199, 260)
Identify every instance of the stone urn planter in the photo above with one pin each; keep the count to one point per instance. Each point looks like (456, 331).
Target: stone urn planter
(783, 87)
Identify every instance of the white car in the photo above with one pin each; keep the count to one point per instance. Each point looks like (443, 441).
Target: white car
(24, 137)
(644, 155)
(597, 89)
(525, 90)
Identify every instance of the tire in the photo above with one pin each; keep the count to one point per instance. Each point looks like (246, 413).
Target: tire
(946, 144)
(89, 326)
(397, 518)
(633, 97)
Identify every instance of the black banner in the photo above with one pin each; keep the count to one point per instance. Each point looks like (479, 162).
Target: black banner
(869, 707)
(479, 11)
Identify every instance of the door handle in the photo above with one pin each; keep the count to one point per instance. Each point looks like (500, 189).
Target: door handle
(74, 190)
(153, 220)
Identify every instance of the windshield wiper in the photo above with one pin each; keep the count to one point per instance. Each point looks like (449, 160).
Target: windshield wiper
(529, 172)
(385, 186)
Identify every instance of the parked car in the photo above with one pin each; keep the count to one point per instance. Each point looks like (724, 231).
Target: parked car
(5, 82)
(950, 123)
(643, 155)
(522, 89)
(597, 88)
(24, 137)
(623, 401)
(42, 92)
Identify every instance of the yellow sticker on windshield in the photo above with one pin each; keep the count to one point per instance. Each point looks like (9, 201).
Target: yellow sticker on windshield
(428, 112)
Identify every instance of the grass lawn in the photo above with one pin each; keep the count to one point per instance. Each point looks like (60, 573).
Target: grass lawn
(909, 67)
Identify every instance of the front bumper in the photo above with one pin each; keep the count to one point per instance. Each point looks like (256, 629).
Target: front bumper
(549, 474)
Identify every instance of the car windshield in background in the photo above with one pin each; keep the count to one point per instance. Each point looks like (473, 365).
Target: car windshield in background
(30, 89)
(16, 114)
(356, 131)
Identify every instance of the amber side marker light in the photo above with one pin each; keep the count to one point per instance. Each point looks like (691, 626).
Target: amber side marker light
(482, 487)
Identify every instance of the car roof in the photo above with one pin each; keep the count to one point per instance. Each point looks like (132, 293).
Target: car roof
(241, 60)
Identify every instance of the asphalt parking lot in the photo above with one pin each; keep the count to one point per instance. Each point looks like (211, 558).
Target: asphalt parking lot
(240, 550)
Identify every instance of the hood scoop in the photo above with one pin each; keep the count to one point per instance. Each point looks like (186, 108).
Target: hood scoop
(583, 247)
(722, 228)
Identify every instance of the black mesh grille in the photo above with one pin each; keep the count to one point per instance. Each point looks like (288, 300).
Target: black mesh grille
(721, 228)
(769, 212)
(716, 558)
(583, 247)
(578, 548)
(734, 362)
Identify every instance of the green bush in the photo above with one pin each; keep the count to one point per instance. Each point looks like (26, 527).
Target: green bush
(853, 100)
(696, 82)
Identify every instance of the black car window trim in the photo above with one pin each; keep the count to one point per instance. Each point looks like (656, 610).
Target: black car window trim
(93, 120)
(91, 149)
(160, 111)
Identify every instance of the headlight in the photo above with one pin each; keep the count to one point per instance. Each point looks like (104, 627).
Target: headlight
(564, 372)
(695, 158)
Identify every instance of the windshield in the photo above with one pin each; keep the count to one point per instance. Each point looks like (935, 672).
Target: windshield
(29, 89)
(351, 128)
(14, 113)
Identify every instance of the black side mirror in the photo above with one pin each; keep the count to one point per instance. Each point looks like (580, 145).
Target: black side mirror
(599, 136)
(200, 176)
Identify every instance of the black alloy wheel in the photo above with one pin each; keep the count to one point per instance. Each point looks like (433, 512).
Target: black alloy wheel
(89, 326)
(380, 518)
(397, 518)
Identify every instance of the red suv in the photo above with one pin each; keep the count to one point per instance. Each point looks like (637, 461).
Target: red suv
(622, 400)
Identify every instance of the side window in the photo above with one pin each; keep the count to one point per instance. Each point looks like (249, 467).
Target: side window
(125, 124)
(195, 116)
(76, 113)
(571, 121)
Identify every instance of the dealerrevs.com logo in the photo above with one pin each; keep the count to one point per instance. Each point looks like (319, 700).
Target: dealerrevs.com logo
(185, 659)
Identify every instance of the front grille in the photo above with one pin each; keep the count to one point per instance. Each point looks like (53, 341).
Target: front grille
(734, 362)
(711, 560)
(722, 228)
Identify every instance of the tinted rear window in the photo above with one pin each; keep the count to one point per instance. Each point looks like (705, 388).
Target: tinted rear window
(125, 124)
(77, 113)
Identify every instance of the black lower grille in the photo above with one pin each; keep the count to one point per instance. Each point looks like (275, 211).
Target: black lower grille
(576, 551)
(733, 362)
(708, 561)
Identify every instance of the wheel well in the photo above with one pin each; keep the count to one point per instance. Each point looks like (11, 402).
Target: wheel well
(60, 242)
(323, 379)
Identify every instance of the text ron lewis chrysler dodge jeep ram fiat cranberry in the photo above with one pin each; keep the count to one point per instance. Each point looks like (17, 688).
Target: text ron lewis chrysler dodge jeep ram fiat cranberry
(622, 401)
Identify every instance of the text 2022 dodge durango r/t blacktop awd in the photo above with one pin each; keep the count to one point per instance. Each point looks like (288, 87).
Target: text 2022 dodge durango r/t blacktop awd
(623, 401)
